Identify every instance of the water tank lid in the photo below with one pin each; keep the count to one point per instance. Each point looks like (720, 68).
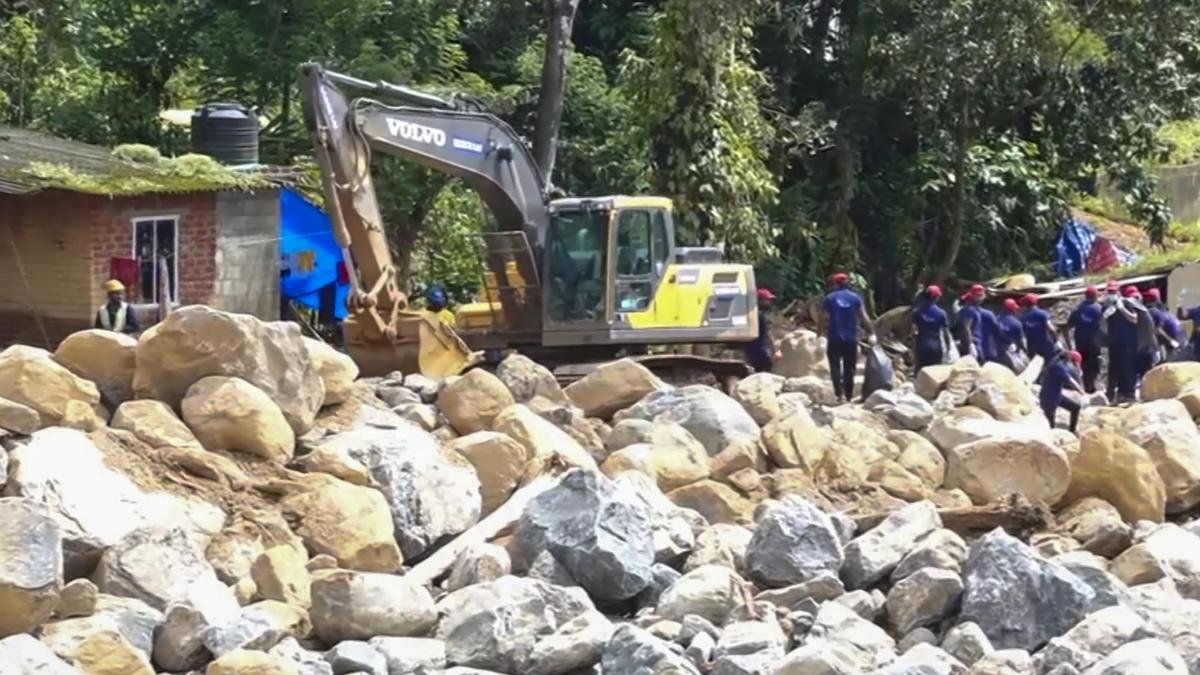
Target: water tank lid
(224, 110)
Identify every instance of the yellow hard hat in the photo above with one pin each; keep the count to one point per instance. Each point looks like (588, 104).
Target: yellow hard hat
(114, 286)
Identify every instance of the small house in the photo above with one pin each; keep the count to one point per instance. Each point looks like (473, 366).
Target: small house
(73, 215)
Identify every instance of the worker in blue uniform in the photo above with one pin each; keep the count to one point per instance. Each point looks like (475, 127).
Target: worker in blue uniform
(1039, 330)
(970, 323)
(845, 312)
(1062, 372)
(1170, 332)
(930, 321)
(1122, 324)
(761, 352)
(1084, 328)
(1012, 336)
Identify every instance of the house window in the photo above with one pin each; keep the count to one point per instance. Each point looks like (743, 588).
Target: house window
(155, 240)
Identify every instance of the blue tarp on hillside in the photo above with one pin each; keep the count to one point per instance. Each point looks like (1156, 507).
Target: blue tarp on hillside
(1074, 246)
(309, 254)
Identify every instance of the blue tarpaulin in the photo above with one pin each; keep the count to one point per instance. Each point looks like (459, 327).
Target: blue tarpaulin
(309, 254)
(1074, 246)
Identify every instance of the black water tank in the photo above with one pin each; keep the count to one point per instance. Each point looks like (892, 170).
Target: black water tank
(227, 132)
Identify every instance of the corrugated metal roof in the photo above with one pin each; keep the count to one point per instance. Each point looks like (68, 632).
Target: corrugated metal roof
(32, 161)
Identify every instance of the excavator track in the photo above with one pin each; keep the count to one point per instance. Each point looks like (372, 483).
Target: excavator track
(676, 369)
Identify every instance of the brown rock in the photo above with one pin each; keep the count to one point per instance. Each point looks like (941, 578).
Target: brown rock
(613, 386)
(544, 443)
(738, 455)
(95, 646)
(1166, 431)
(280, 574)
(802, 353)
(1169, 551)
(1097, 526)
(677, 457)
(759, 395)
(795, 442)
(247, 662)
(155, 424)
(30, 376)
(717, 502)
(528, 379)
(337, 370)
(245, 591)
(335, 461)
(898, 481)
(749, 482)
(78, 598)
(18, 418)
(228, 413)
(499, 463)
(349, 522)
(990, 469)
(1001, 394)
(919, 457)
(103, 357)
(932, 379)
(1116, 470)
(473, 401)
(1170, 380)
(962, 380)
(197, 341)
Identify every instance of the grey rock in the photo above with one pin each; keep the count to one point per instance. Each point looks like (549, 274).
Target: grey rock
(393, 393)
(661, 578)
(431, 497)
(862, 603)
(822, 656)
(360, 605)
(967, 643)
(941, 548)
(406, 655)
(634, 651)
(179, 641)
(670, 526)
(136, 620)
(22, 654)
(546, 568)
(1020, 599)
(628, 432)
(309, 662)
(802, 622)
(157, 566)
(353, 656)
(692, 625)
(924, 659)
(1108, 589)
(1144, 657)
(715, 419)
(721, 544)
(749, 648)
(601, 536)
(576, 644)
(923, 598)
(903, 407)
(31, 564)
(425, 387)
(257, 627)
(916, 636)
(795, 541)
(711, 592)
(1005, 662)
(3, 469)
(479, 564)
(497, 624)
(874, 554)
(1097, 635)
(872, 646)
(526, 378)
(845, 526)
(423, 415)
(821, 588)
(700, 650)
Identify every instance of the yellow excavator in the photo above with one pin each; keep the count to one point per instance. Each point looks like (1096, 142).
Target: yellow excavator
(567, 281)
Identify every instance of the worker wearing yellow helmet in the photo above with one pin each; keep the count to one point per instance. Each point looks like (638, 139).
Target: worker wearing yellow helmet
(116, 314)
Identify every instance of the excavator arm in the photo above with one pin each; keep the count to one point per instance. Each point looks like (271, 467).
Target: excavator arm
(447, 136)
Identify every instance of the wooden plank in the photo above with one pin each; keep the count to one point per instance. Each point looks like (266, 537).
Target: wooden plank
(1015, 514)
(435, 566)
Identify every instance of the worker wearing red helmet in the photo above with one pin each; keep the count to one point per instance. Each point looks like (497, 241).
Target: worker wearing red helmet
(1012, 335)
(1039, 330)
(1121, 322)
(929, 321)
(1084, 328)
(1168, 329)
(761, 352)
(971, 332)
(1062, 372)
(845, 313)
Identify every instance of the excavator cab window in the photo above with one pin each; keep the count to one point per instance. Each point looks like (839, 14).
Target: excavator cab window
(577, 260)
(643, 249)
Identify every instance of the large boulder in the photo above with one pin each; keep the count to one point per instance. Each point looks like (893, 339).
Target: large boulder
(545, 444)
(709, 591)
(923, 598)
(932, 379)
(496, 625)
(1020, 599)
(969, 424)
(1169, 551)
(472, 401)
(717, 502)
(104, 357)
(432, 495)
(1170, 380)
(157, 566)
(499, 463)
(1115, 469)
(337, 370)
(528, 379)
(759, 395)
(873, 555)
(671, 456)
(613, 386)
(794, 542)
(349, 522)
(228, 413)
(1143, 657)
(794, 441)
(252, 662)
(1165, 430)
(1001, 394)
(18, 418)
(31, 377)
(23, 654)
(31, 567)
(903, 407)
(361, 605)
(197, 341)
(94, 505)
(155, 424)
(576, 645)
(720, 544)
(95, 646)
(597, 533)
(920, 457)
(802, 353)
(867, 644)
(633, 650)
(712, 417)
(990, 469)
(1099, 634)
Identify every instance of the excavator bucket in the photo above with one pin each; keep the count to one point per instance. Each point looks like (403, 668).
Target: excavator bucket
(442, 351)
(423, 344)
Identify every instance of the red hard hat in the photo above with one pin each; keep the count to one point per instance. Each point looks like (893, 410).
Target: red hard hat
(978, 290)
(1131, 291)
(1075, 357)
(1153, 294)
(841, 278)
(765, 295)
(934, 290)
(1010, 304)
(1030, 299)
(1091, 292)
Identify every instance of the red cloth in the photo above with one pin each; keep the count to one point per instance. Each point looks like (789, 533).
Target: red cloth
(1103, 256)
(124, 270)
(343, 275)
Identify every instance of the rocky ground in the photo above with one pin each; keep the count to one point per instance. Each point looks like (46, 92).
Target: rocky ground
(223, 496)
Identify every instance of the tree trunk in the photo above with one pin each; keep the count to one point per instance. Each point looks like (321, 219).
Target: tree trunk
(959, 209)
(560, 16)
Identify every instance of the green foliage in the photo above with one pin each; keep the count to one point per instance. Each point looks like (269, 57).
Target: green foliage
(1182, 139)
(139, 169)
(450, 250)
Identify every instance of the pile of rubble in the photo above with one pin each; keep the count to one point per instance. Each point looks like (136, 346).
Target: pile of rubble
(224, 496)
